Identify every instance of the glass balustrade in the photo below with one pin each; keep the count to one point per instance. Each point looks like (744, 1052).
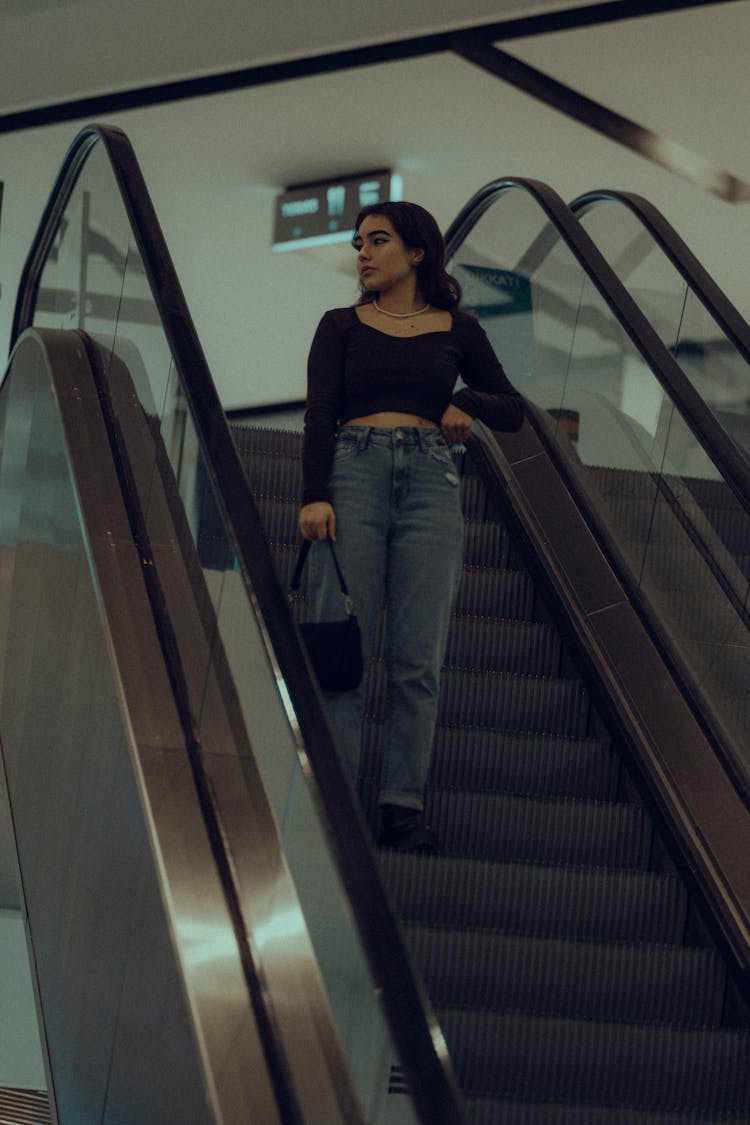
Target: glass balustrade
(658, 493)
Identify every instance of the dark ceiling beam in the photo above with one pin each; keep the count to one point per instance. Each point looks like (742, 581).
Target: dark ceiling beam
(659, 150)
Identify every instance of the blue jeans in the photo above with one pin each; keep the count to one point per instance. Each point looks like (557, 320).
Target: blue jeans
(399, 534)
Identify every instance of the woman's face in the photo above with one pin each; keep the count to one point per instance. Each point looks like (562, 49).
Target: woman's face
(384, 261)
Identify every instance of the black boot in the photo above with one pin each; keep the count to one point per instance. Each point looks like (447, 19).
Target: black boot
(402, 827)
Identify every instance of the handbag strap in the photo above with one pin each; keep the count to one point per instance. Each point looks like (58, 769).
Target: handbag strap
(304, 551)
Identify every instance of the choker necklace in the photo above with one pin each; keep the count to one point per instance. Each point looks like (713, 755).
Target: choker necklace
(400, 316)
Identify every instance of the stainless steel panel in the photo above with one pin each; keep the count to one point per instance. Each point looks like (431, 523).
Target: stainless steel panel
(117, 869)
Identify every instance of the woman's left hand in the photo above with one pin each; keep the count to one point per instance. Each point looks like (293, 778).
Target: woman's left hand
(456, 425)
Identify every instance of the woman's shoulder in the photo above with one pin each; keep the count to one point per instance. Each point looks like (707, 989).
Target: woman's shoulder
(465, 321)
(340, 318)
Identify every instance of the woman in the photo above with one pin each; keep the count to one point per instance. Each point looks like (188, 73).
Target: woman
(380, 481)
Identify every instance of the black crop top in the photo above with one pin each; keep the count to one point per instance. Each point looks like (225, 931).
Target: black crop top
(354, 370)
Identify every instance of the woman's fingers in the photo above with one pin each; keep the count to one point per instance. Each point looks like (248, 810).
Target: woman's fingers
(317, 521)
(456, 425)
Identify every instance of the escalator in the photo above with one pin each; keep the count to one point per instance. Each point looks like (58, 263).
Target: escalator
(584, 937)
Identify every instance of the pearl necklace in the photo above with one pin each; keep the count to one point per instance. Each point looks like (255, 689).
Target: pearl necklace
(400, 316)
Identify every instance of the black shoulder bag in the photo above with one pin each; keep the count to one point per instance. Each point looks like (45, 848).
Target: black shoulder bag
(334, 647)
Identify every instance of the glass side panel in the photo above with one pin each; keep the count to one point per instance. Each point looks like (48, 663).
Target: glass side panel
(104, 290)
(93, 902)
(708, 357)
(660, 496)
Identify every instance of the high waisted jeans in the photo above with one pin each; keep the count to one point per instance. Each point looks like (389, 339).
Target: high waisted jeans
(399, 532)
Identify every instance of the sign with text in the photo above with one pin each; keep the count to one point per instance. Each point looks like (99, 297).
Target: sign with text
(317, 214)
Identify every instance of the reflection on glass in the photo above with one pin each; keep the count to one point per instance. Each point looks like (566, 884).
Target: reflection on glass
(705, 353)
(686, 536)
(95, 280)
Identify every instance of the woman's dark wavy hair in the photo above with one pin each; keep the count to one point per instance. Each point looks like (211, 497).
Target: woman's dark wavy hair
(419, 231)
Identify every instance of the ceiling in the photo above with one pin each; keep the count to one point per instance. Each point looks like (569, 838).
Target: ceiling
(681, 73)
(74, 48)
(446, 124)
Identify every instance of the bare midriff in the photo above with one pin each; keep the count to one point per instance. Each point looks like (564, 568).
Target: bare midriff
(389, 419)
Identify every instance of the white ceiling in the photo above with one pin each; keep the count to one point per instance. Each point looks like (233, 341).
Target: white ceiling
(447, 125)
(71, 48)
(682, 74)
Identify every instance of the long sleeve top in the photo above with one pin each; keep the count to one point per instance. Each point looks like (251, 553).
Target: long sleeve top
(355, 370)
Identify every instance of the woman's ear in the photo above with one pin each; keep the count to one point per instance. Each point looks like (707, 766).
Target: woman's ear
(416, 256)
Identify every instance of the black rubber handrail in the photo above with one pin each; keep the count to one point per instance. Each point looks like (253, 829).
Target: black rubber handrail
(563, 225)
(411, 1023)
(711, 296)
(643, 691)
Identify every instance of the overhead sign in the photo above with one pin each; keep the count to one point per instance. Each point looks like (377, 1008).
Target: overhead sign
(317, 214)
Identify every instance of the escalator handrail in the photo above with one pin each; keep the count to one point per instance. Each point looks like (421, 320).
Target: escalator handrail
(711, 296)
(28, 285)
(414, 1030)
(605, 611)
(732, 464)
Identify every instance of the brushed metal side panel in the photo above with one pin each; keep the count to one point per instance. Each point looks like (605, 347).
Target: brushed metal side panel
(275, 913)
(143, 1020)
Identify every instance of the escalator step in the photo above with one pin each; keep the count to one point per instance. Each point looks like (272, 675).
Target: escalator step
(507, 1111)
(532, 830)
(279, 516)
(267, 441)
(487, 592)
(697, 617)
(731, 526)
(657, 1066)
(486, 543)
(713, 493)
(274, 476)
(648, 518)
(476, 502)
(492, 645)
(513, 702)
(575, 903)
(633, 494)
(521, 763)
(522, 703)
(622, 482)
(648, 984)
(503, 646)
(681, 570)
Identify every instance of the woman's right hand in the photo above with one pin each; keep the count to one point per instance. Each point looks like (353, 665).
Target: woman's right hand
(317, 521)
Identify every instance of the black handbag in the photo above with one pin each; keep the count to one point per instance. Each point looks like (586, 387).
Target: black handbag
(334, 647)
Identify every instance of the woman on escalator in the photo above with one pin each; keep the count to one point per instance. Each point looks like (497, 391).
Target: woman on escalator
(379, 479)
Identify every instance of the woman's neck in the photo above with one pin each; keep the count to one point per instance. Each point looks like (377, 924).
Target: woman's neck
(401, 301)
